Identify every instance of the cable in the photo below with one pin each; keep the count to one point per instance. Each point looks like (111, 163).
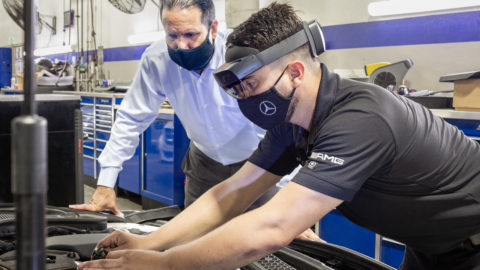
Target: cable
(70, 24)
(158, 5)
(159, 14)
(64, 42)
(78, 31)
(82, 16)
(93, 32)
(87, 39)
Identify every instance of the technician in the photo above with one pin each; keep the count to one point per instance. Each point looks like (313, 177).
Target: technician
(386, 162)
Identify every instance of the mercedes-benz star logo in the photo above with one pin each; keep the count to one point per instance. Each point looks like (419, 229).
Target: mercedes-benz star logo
(267, 107)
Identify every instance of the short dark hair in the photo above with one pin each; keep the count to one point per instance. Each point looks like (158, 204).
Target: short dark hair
(267, 27)
(206, 6)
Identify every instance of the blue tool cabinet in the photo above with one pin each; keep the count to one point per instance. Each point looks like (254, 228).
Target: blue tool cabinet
(5, 67)
(98, 117)
(165, 146)
(155, 169)
(337, 229)
(468, 122)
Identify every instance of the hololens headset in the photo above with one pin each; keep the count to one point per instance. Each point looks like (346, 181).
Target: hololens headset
(243, 61)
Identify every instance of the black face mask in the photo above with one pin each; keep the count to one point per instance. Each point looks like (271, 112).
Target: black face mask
(268, 109)
(193, 59)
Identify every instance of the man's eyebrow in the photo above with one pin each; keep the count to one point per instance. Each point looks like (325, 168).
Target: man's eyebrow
(188, 30)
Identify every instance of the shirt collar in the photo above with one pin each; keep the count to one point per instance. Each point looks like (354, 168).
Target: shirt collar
(325, 99)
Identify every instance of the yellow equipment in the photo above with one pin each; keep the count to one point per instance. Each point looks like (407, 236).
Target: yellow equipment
(371, 67)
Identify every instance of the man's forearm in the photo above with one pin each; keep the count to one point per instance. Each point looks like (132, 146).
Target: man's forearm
(240, 241)
(218, 205)
(212, 209)
(254, 234)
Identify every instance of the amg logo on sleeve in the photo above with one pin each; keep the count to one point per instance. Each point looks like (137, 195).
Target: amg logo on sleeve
(325, 157)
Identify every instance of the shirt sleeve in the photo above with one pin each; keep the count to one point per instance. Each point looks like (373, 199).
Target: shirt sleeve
(350, 147)
(137, 111)
(276, 152)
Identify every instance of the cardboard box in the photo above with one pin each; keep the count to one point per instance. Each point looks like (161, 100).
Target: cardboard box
(466, 95)
(20, 81)
(20, 77)
(466, 90)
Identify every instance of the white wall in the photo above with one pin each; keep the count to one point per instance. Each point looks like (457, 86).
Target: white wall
(11, 32)
(113, 28)
(239, 11)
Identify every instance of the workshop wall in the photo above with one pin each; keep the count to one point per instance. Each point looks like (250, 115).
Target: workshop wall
(112, 28)
(439, 43)
(12, 34)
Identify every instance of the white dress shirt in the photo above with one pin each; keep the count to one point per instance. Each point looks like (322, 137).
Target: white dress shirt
(211, 118)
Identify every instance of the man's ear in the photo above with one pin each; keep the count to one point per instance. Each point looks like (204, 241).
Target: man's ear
(214, 29)
(296, 71)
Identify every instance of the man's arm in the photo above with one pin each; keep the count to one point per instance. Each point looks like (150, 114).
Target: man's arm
(136, 113)
(254, 234)
(218, 205)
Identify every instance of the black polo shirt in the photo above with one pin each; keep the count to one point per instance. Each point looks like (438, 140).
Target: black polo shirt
(401, 171)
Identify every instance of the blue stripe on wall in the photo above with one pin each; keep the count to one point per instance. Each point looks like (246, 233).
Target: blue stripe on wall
(124, 53)
(109, 55)
(443, 28)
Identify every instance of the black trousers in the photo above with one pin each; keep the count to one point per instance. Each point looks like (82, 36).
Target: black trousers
(202, 173)
(465, 257)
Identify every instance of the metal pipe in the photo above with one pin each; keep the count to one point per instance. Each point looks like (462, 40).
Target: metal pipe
(78, 156)
(30, 18)
(87, 66)
(82, 16)
(79, 56)
(29, 188)
(29, 162)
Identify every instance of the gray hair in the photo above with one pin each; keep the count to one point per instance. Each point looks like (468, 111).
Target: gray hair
(206, 6)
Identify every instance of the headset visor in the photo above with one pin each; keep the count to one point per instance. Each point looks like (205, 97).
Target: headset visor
(230, 76)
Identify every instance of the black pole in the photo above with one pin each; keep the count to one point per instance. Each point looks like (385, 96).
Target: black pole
(30, 17)
(78, 156)
(29, 162)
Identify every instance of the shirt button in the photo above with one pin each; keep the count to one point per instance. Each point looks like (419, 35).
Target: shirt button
(204, 105)
(211, 127)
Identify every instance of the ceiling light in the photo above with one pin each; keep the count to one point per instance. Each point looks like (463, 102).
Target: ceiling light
(396, 7)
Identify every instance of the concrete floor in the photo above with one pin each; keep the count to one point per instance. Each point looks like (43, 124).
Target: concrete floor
(123, 203)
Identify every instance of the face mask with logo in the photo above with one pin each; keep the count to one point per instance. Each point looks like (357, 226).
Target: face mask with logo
(267, 109)
(193, 59)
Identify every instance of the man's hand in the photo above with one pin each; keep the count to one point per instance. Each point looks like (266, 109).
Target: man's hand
(128, 260)
(102, 199)
(308, 234)
(119, 240)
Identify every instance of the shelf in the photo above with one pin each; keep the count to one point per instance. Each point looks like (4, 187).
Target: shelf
(452, 114)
